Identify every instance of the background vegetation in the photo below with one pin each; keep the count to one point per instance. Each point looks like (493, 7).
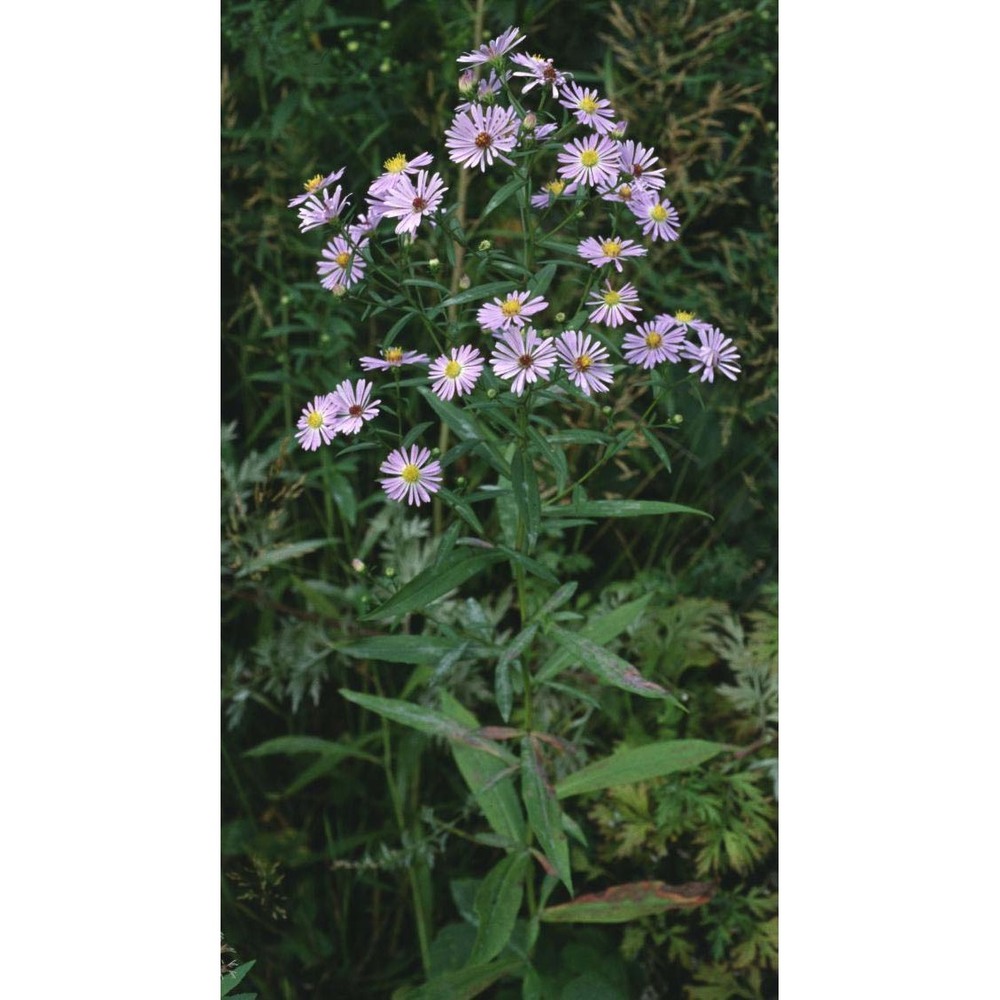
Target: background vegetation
(317, 867)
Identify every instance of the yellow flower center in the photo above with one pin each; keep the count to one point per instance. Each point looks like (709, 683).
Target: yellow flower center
(684, 316)
(512, 307)
(394, 355)
(658, 213)
(453, 369)
(555, 187)
(589, 157)
(653, 339)
(313, 183)
(589, 105)
(582, 363)
(612, 298)
(611, 248)
(342, 258)
(410, 473)
(395, 164)
(315, 420)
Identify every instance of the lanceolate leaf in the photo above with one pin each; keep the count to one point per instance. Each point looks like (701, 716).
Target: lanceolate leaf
(497, 903)
(610, 668)
(400, 648)
(638, 764)
(622, 903)
(463, 984)
(544, 813)
(233, 979)
(619, 508)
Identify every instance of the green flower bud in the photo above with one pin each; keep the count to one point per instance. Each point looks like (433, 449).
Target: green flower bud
(390, 571)
(560, 317)
(433, 263)
(484, 245)
(678, 418)
(491, 393)
(353, 46)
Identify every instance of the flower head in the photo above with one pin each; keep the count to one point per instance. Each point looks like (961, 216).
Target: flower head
(584, 360)
(552, 191)
(316, 425)
(353, 406)
(657, 218)
(614, 305)
(683, 318)
(455, 376)
(395, 168)
(514, 310)
(639, 163)
(592, 160)
(539, 71)
(410, 202)
(317, 211)
(393, 357)
(477, 137)
(315, 184)
(627, 193)
(602, 251)
(589, 109)
(523, 356)
(410, 475)
(485, 91)
(653, 342)
(342, 265)
(494, 49)
(715, 353)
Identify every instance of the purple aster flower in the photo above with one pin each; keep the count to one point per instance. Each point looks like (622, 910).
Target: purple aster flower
(657, 218)
(524, 357)
(626, 193)
(592, 160)
(601, 251)
(362, 228)
(715, 353)
(683, 318)
(455, 376)
(315, 184)
(410, 202)
(502, 314)
(393, 357)
(653, 342)
(552, 191)
(410, 476)
(394, 168)
(617, 130)
(540, 71)
(316, 425)
(343, 265)
(638, 162)
(476, 136)
(584, 360)
(589, 109)
(494, 49)
(353, 406)
(615, 306)
(485, 91)
(319, 211)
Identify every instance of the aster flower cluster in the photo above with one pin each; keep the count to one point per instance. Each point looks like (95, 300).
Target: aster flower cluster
(520, 352)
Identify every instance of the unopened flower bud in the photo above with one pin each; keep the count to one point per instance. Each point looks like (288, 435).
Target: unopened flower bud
(467, 83)
(461, 481)
(484, 245)
(433, 263)
(339, 291)
(529, 121)
(285, 299)
(464, 282)
(385, 65)
(678, 418)
(435, 452)
(324, 338)
(357, 565)
(491, 393)
(390, 571)
(606, 410)
(353, 46)
(384, 25)
(560, 317)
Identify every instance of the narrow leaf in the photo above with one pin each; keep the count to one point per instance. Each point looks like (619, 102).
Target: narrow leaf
(476, 294)
(497, 903)
(501, 196)
(631, 901)
(463, 984)
(399, 648)
(619, 508)
(233, 979)
(544, 813)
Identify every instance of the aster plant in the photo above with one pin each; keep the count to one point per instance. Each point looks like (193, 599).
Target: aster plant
(529, 335)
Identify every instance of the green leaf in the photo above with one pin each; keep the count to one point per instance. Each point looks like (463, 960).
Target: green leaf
(399, 648)
(435, 582)
(610, 668)
(619, 508)
(476, 294)
(279, 554)
(464, 511)
(458, 419)
(500, 197)
(631, 901)
(463, 984)
(525, 486)
(544, 813)
(497, 903)
(233, 979)
(560, 597)
(654, 442)
(305, 744)
(653, 760)
(539, 284)
(496, 796)
(503, 689)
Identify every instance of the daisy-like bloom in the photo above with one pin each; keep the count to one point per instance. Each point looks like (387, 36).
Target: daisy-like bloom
(394, 168)
(393, 357)
(539, 71)
(552, 191)
(615, 306)
(353, 406)
(593, 160)
(410, 476)
(658, 219)
(639, 163)
(495, 49)
(715, 353)
(627, 193)
(318, 211)
(584, 360)
(589, 109)
(362, 228)
(524, 357)
(315, 184)
(343, 265)
(608, 251)
(316, 425)
(477, 137)
(410, 202)
(503, 314)
(455, 376)
(682, 318)
(653, 342)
